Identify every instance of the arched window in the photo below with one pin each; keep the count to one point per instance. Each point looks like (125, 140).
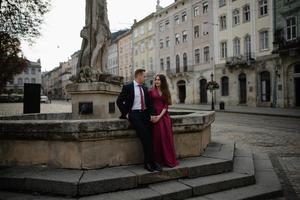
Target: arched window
(177, 64)
(225, 86)
(236, 47)
(265, 86)
(185, 65)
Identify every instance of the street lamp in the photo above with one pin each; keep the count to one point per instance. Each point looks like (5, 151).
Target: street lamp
(212, 93)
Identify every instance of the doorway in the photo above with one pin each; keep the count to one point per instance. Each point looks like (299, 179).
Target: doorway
(181, 91)
(203, 91)
(243, 88)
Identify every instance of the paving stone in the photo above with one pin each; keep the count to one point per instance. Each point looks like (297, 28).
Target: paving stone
(106, 180)
(135, 194)
(172, 190)
(44, 180)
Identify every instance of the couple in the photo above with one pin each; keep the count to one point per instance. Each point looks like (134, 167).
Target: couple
(148, 114)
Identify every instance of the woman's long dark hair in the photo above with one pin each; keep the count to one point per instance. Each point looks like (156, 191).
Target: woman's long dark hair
(164, 87)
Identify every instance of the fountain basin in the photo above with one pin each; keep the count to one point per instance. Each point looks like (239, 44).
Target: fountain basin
(92, 143)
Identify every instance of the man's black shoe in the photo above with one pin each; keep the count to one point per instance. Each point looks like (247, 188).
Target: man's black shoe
(148, 167)
(156, 167)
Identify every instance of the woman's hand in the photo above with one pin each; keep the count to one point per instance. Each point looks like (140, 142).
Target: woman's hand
(155, 119)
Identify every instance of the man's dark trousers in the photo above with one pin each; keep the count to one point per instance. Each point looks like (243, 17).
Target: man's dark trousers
(140, 121)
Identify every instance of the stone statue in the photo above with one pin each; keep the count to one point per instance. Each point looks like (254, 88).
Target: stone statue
(96, 36)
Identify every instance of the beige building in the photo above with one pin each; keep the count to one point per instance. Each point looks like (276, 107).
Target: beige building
(112, 58)
(32, 74)
(244, 64)
(125, 56)
(184, 48)
(143, 41)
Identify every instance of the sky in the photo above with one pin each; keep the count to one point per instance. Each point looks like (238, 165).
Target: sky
(61, 29)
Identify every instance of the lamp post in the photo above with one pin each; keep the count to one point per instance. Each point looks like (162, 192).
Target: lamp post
(212, 93)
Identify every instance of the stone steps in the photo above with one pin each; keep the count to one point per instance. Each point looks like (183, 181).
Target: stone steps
(250, 177)
(218, 158)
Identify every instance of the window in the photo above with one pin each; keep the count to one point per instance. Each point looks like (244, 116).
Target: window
(142, 47)
(196, 31)
(247, 46)
(184, 36)
(161, 27)
(161, 64)
(151, 63)
(26, 71)
(291, 28)
(185, 64)
(225, 86)
(167, 41)
(161, 43)
(222, 3)
(168, 63)
(205, 28)
(196, 11)
(177, 38)
(223, 22)
(205, 7)
(26, 80)
(32, 70)
(206, 54)
(177, 64)
(143, 64)
(150, 26)
(142, 30)
(176, 19)
(246, 13)
(236, 47)
(135, 33)
(263, 40)
(197, 56)
(151, 44)
(265, 86)
(223, 49)
(33, 80)
(20, 81)
(236, 17)
(167, 23)
(263, 7)
(183, 16)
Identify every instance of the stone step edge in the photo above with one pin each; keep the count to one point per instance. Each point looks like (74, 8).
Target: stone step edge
(267, 184)
(225, 182)
(136, 177)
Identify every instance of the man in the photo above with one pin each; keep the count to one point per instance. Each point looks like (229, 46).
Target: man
(136, 106)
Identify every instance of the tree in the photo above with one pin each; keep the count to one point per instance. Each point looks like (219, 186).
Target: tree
(19, 20)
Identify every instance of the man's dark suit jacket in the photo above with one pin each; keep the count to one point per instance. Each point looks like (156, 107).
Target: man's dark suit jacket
(126, 98)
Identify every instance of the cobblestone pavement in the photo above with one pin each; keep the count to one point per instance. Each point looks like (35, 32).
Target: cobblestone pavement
(277, 136)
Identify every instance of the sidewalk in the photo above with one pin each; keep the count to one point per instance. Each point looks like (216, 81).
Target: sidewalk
(281, 112)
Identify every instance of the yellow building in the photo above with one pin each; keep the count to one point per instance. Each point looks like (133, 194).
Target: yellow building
(125, 56)
(143, 39)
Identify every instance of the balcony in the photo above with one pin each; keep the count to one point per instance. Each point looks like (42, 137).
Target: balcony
(284, 46)
(182, 71)
(242, 61)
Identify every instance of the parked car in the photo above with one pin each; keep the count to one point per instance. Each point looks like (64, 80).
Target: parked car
(45, 99)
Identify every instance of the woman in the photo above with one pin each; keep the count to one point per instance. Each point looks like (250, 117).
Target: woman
(163, 143)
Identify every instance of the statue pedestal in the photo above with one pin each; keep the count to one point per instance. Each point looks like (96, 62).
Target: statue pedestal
(96, 100)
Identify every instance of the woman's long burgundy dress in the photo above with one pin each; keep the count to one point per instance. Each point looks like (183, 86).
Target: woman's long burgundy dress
(162, 134)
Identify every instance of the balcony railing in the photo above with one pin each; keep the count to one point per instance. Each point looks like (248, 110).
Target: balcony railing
(180, 71)
(245, 60)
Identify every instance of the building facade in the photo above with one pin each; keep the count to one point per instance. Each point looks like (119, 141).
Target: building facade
(143, 41)
(32, 74)
(113, 60)
(244, 63)
(125, 56)
(287, 46)
(184, 48)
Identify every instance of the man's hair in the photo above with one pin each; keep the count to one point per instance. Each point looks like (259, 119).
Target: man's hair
(138, 71)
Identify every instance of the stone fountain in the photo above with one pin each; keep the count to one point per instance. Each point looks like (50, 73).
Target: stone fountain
(92, 136)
